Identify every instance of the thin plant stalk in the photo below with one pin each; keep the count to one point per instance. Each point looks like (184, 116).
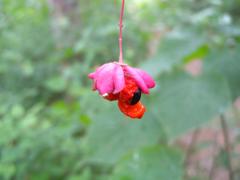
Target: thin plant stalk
(227, 145)
(120, 33)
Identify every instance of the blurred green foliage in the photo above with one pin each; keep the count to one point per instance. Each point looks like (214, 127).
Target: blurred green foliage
(53, 126)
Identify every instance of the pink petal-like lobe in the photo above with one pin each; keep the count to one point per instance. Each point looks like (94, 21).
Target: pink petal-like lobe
(147, 78)
(92, 75)
(104, 79)
(118, 78)
(139, 80)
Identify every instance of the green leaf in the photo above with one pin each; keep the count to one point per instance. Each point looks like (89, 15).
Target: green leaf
(226, 62)
(56, 84)
(7, 170)
(151, 163)
(112, 134)
(172, 51)
(184, 102)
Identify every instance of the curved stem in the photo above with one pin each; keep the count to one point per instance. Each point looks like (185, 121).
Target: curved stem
(120, 33)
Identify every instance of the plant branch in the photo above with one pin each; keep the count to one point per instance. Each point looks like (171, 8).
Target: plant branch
(190, 150)
(214, 163)
(120, 32)
(227, 145)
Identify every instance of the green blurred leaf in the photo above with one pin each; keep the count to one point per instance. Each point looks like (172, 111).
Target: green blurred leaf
(151, 163)
(57, 84)
(85, 120)
(227, 63)
(184, 102)
(54, 127)
(172, 51)
(198, 54)
(86, 175)
(112, 134)
(7, 170)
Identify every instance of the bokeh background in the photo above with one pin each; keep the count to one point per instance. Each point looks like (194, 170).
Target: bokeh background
(52, 126)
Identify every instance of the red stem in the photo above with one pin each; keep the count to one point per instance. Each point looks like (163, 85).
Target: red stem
(120, 33)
